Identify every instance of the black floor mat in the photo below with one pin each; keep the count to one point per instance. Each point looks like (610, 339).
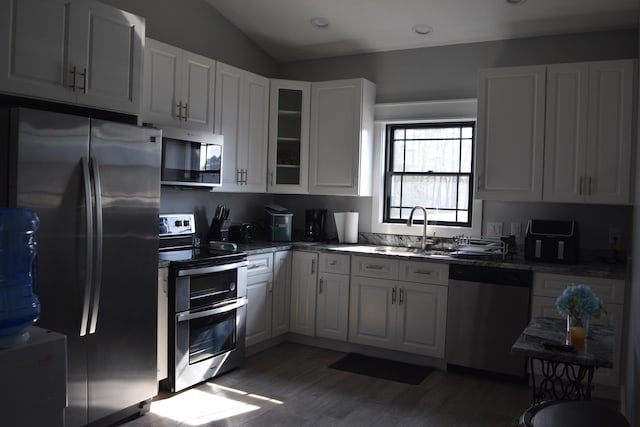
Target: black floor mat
(382, 368)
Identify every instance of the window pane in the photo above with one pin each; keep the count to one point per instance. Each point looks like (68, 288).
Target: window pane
(463, 216)
(440, 215)
(433, 133)
(396, 187)
(398, 156)
(466, 154)
(467, 132)
(399, 134)
(395, 213)
(432, 156)
(429, 191)
(463, 195)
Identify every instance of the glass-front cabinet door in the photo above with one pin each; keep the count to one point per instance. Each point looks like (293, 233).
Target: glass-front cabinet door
(289, 137)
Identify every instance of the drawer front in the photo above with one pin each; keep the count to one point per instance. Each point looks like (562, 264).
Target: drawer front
(260, 264)
(334, 263)
(424, 272)
(552, 285)
(378, 268)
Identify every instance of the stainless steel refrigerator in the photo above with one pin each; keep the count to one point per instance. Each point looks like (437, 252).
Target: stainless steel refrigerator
(96, 188)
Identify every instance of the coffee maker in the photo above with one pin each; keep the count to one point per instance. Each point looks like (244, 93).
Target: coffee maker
(314, 229)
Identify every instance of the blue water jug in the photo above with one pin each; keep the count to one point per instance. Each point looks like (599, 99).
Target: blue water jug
(19, 305)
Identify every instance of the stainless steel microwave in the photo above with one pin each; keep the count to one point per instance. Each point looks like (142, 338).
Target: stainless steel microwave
(191, 158)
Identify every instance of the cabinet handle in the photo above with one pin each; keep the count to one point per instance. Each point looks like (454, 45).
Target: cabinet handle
(426, 272)
(374, 267)
(580, 187)
(334, 262)
(179, 105)
(589, 186)
(270, 287)
(238, 176)
(84, 80)
(401, 296)
(73, 81)
(246, 175)
(313, 266)
(186, 111)
(478, 183)
(393, 295)
(321, 283)
(271, 178)
(253, 266)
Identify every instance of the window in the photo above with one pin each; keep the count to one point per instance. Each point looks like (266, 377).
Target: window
(429, 165)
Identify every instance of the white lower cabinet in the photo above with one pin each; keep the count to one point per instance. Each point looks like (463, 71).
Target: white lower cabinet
(546, 289)
(332, 307)
(406, 315)
(259, 305)
(281, 293)
(304, 276)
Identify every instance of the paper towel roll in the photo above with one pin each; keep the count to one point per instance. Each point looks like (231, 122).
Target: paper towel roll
(347, 226)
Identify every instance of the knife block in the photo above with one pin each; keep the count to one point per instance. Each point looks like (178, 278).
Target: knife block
(219, 230)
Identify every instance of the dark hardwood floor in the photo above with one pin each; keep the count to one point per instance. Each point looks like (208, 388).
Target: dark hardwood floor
(291, 385)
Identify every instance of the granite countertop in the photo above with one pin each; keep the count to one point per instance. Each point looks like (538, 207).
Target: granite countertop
(591, 264)
(598, 350)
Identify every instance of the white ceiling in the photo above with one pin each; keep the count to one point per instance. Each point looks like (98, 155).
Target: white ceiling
(283, 30)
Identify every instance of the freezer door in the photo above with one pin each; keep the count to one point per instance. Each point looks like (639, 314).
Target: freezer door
(49, 179)
(125, 168)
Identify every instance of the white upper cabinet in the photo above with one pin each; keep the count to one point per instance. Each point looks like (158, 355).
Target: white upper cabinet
(82, 52)
(341, 137)
(242, 117)
(572, 121)
(289, 137)
(510, 133)
(588, 132)
(178, 87)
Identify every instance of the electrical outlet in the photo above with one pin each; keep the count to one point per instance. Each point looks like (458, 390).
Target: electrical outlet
(494, 229)
(614, 235)
(516, 229)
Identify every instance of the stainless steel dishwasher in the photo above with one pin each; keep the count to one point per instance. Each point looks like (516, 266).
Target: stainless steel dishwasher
(488, 308)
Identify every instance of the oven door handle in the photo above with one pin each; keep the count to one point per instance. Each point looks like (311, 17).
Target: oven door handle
(183, 317)
(211, 269)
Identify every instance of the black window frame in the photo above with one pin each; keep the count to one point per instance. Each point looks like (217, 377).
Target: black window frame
(388, 172)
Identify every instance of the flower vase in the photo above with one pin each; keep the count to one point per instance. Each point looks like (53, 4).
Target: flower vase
(577, 330)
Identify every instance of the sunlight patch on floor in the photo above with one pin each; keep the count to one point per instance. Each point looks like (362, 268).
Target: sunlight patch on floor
(207, 403)
(196, 407)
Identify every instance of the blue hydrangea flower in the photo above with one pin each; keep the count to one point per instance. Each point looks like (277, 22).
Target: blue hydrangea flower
(578, 301)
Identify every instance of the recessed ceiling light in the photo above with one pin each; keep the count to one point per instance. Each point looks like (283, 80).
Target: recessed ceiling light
(319, 22)
(422, 29)
(516, 1)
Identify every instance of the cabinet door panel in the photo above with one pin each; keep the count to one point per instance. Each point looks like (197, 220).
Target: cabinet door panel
(259, 307)
(227, 122)
(198, 79)
(610, 108)
(372, 316)
(304, 273)
(281, 292)
(510, 137)
(566, 132)
(421, 318)
(34, 51)
(162, 83)
(333, 306)
(254, 133)
(112, 58)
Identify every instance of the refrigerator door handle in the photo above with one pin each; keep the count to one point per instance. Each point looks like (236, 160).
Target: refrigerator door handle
(97, 191)
(86, 178)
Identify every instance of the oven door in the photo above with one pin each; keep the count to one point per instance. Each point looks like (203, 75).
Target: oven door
(208, 342)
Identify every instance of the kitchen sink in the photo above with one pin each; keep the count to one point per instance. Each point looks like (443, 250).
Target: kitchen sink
(392, 250)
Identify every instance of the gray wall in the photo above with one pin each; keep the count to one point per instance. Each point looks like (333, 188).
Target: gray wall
(449, 72)
(196, 26)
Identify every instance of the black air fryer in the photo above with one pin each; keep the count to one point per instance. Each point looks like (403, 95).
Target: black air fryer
(314, 229)
(552, 241)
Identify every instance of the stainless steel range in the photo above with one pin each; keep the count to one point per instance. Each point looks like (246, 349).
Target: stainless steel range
(207, 304)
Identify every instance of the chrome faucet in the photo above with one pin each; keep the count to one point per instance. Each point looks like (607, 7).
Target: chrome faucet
(424, 226)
